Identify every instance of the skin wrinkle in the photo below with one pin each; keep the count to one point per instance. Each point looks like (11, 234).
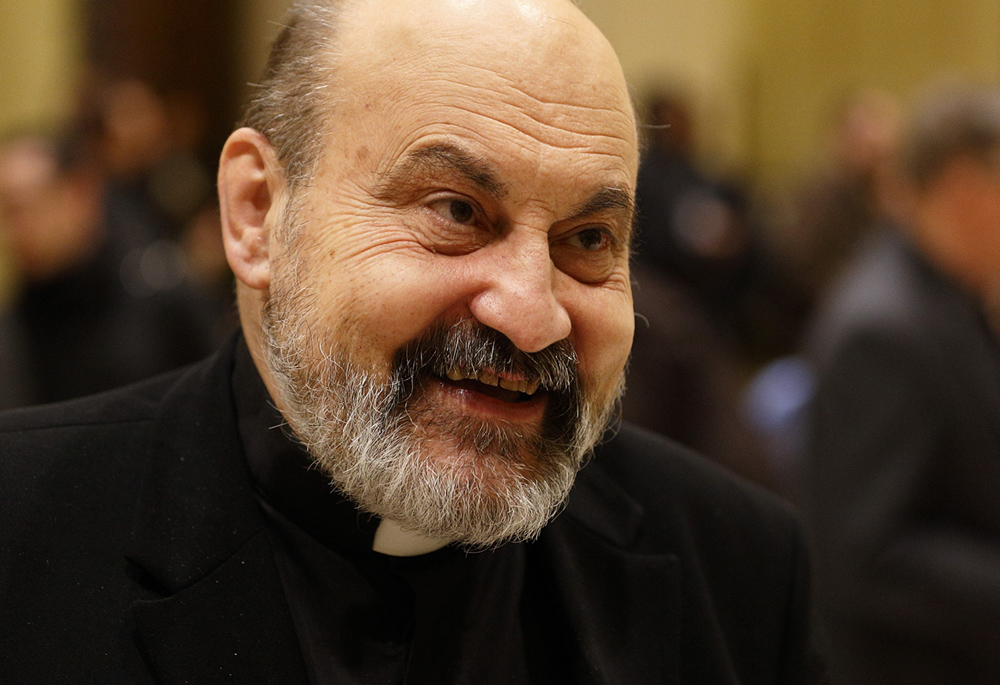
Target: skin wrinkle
(528, 99)
(628, 116)
(558, 128)
(447, 156)
(522, 106)
(591, 143)
(442, 157)
(602, 143)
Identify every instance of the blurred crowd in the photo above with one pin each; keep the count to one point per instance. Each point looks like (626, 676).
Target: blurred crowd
(112, 228)
(726, 282)
(847, 357)
(838, 346)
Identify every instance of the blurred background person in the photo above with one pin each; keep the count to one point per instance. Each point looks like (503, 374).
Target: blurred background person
(851, 192)
(99, 304)
(148, 147)
(685, 378)
(902, 467)
(159, 188)
(693, 269)
(691, 228)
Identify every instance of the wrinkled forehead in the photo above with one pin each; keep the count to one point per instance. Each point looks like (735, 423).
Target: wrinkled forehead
(536, 67)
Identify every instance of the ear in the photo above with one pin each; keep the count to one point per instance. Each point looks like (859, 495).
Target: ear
(250, 183)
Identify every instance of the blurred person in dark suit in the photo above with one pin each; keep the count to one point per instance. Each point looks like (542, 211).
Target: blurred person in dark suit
(698, 231)
(903, 463)
(849, 196)
(149, 144)
(685, 377)
(690, 227)
(95, 308)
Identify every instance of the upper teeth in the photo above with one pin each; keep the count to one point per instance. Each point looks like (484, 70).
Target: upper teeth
(527, 387)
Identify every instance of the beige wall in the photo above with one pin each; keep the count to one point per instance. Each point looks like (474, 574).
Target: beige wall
(812, 52)
(40, 50)
(764, 74)
(697, 48)
(39, 60)
(259, 24)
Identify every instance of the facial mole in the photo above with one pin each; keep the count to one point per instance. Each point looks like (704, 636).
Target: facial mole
(363, 151)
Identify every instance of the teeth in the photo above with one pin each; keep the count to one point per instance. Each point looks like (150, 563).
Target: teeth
(527, 387)
(516, 386)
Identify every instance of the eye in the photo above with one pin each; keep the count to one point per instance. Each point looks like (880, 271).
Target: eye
(590, 255)
(591, 239)
(454, 209)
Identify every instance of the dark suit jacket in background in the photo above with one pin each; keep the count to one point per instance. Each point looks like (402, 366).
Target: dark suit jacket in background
(903, 475)
(133, 550)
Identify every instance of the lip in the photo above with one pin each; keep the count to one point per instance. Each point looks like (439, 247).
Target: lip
(484, 406)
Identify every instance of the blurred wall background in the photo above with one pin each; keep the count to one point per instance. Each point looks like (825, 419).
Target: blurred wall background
(41, 49)
(762, 75)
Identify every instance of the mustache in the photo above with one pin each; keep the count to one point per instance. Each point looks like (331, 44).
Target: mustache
(472, 347)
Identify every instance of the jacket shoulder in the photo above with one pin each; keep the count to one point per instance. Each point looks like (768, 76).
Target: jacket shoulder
(129, 404)
(672, 482)
(732, 554)
(75, 455)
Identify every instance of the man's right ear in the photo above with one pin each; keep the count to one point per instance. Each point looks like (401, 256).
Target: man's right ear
(250, 183)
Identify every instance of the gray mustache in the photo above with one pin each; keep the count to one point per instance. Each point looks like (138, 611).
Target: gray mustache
(473, 347)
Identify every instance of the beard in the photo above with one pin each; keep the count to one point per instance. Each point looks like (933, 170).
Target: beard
(388, 447)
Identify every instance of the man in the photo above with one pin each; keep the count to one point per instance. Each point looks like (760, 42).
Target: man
(429, 221)
(904, 448)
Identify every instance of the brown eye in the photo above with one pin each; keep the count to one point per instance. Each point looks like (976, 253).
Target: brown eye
(591, 239)
(460, 211)
(455, 209)
(590, 255)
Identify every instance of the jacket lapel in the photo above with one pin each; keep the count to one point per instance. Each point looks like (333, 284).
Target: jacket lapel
(622, 604)
(200, 544)
(231, 626)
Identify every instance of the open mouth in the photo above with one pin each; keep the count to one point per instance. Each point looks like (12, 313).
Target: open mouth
(491, 385)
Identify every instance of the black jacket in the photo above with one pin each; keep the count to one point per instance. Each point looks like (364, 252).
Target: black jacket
(133, 550)
(903, 474)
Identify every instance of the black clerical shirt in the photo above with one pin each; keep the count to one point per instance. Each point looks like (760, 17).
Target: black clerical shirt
(364, 617)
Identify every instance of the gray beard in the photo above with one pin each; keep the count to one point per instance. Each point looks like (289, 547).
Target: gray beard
(376, 439)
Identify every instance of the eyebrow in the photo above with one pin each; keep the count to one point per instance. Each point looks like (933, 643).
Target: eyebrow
(612, 199)
(453, 158)
(443, 157)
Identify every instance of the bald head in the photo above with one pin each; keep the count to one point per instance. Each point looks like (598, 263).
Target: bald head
(328, 44)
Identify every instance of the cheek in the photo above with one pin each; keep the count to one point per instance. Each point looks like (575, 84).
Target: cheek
(381, 305)
(602, 336)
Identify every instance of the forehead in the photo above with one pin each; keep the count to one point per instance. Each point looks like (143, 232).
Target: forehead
(535, 88)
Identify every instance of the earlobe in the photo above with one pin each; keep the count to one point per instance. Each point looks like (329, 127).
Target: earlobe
(250, 182)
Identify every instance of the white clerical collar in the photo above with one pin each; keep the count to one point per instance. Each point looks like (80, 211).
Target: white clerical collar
(393, 540)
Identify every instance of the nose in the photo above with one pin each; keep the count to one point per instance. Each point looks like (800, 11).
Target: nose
(518, 296)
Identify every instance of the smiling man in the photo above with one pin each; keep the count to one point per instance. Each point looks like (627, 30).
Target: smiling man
(388, 476)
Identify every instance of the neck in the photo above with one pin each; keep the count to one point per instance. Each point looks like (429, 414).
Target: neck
(250, 302)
